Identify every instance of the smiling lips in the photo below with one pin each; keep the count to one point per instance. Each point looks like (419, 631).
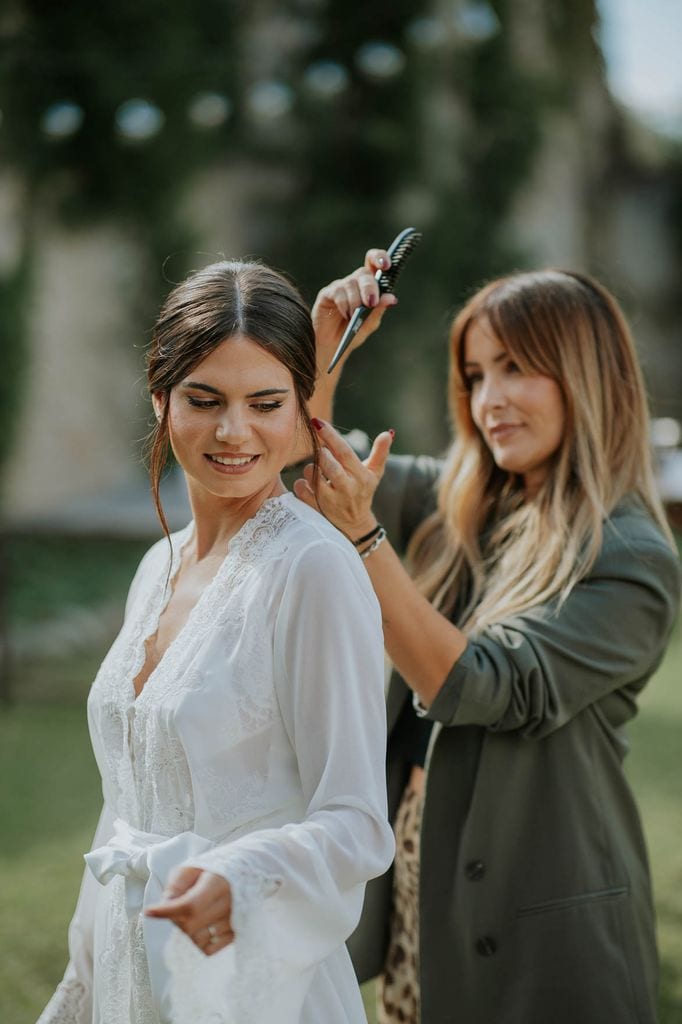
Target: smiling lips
(502, 430)
(232, 463)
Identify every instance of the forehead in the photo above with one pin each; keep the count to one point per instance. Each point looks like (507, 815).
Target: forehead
(480, 342)
(241, 360)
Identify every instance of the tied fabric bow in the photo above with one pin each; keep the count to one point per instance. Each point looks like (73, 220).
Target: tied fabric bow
(145, 860)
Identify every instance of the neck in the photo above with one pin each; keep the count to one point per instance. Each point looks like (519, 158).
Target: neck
(218, 520)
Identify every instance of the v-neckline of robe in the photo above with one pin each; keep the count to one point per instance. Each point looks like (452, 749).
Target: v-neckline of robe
(152, 626)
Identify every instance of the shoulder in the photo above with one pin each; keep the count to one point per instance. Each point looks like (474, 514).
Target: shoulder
(634, 547)
(630, 530)
(313, 539)
(152, 568)
(321, 557)
(163, 550)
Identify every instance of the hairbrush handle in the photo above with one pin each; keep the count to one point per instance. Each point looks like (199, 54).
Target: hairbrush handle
(398, 251)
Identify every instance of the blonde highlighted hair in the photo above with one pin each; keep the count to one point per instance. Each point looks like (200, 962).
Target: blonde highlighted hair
(566, 326)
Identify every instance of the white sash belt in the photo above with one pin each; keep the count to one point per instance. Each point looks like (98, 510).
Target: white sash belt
(145, 861)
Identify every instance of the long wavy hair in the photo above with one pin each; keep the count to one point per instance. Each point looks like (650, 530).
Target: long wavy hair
(507, 552)
(207, 308)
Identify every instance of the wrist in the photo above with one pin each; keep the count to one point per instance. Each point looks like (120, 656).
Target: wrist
(363, 529)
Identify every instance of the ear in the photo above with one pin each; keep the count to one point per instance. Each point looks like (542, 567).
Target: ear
(159, 403)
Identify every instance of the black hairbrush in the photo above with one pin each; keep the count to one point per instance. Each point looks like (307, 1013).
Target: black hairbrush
(399, 249)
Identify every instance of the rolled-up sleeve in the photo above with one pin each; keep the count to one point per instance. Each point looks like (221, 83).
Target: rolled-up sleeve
(536, 671)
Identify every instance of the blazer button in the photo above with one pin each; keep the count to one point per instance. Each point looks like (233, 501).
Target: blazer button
(475, 870)
(486, 946)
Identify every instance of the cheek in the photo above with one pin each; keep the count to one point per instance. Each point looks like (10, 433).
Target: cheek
(282, 430)
(475, 408)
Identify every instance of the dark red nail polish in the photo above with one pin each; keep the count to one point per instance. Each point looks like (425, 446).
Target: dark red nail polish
(318, 424)
(372, 301)
(391, 432)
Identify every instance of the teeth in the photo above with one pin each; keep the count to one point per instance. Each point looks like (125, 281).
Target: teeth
(224, 460)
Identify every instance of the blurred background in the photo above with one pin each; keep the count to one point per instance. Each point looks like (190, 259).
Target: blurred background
(144, 139)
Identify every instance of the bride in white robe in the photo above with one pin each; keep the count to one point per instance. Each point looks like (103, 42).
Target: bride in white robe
(238, 720)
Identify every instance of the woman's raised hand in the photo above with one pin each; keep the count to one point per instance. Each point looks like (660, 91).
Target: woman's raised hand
(335, 304)
(345, 487)
(200, 903)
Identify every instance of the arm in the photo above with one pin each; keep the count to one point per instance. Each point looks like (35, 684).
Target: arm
(541, 668)
(331, 312)
(329, 650)
(297, 890)
(538, 670)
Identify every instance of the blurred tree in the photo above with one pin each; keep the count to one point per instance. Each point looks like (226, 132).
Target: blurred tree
(375, 117)
(381, 116)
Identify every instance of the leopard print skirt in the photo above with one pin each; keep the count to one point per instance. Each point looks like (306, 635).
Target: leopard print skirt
(397, 988)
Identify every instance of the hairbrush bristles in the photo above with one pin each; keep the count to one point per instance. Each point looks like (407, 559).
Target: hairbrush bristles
(400, 249)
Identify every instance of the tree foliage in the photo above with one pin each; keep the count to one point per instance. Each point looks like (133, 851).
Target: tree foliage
(444, 142)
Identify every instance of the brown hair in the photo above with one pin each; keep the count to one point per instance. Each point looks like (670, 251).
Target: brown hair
(570, 328)
(210, 306)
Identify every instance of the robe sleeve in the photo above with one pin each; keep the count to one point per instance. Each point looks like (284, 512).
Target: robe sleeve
(298, 890)
(72, 1000)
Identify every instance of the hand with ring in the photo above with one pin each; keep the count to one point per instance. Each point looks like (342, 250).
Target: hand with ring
(200, 903)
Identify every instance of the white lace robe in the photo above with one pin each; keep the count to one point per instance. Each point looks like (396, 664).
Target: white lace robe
(255, 750)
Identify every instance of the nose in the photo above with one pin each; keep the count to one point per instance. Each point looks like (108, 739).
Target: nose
(233, 427)
(490, 394)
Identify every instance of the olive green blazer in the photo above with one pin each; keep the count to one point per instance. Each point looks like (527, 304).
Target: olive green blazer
(535, 901)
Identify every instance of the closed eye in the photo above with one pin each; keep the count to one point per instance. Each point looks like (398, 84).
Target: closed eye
(202, 403)
(267, 406)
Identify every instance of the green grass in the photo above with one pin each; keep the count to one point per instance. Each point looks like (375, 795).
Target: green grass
(653, 767)
(49, 802)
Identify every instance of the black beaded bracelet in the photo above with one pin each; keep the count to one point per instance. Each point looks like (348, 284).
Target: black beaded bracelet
(368, 536)
(371, 548)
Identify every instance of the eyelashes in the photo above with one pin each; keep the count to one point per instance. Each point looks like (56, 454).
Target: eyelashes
(212, 403)
(199, 403)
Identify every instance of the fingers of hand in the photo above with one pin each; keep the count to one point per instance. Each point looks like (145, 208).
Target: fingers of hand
(213, 938)
(209, 898)
(376, 461)
(331, 469)
(330, 301)
(363, 288)
(304, 492)
(180, 880)
(339, 448)
(377, 259)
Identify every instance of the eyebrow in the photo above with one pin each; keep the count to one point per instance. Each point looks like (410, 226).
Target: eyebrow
(215, 391)
(496, 359)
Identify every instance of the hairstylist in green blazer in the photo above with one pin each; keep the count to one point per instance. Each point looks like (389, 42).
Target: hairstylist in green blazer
(541, 591)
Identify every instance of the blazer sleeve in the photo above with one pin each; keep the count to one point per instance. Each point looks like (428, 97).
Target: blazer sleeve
(536, 671)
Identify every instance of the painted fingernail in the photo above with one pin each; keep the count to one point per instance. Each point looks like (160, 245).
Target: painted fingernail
(391, 432)
(372, 301)
(318, 424)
